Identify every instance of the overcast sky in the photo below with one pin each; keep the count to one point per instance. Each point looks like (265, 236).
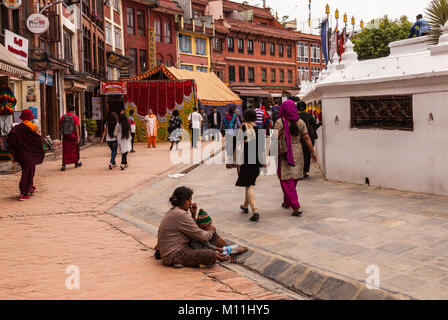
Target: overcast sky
(361, 9)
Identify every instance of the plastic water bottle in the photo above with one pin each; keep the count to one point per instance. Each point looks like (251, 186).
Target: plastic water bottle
(228, 249)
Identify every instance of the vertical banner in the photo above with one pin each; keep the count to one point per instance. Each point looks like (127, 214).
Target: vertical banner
(324, 39)
(152, 49)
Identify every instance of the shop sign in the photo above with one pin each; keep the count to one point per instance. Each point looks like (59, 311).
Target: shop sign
(113, 88)
(152, 48)
(37, 23)
(96, 109)
(17, 45)
(41, 77)
(12, 4)
(125, 72)
(50, 78)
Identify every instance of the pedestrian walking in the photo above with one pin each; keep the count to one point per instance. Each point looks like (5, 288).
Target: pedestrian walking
(420, 28)
(204, 124)
(71, 138)
(231, 122)
(26, 145)
(151, 129)
(291, 131)
(260, 117)
(214, 122)
(132, 124)
(124, 139)
(174, 129)
(110, 136)
(311, 125)
(195, 119)
(251, 144)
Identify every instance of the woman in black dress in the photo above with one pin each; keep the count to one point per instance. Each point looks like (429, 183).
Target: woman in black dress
(175, 124)
(251, 160)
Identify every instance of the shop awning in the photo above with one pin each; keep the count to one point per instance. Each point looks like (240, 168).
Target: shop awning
(252, 92)
(211, 90)
(12, 66)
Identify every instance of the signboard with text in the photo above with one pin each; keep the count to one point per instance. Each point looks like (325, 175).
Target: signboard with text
(152, 48)
(17, 45)
(37, 23)
(12, 4)
(96, 109)
(113, 88)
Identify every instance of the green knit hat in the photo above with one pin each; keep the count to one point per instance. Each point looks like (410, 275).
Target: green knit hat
(203, 218)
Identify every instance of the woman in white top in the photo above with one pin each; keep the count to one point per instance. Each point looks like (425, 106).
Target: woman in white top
(110, 136)
(124, 139)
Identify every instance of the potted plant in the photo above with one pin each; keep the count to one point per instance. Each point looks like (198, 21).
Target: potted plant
(91, 127)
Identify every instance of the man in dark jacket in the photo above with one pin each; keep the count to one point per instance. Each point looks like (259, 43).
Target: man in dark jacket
(312, 127)
(214, 122)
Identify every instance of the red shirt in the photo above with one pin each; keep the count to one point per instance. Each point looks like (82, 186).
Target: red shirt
(75, 121)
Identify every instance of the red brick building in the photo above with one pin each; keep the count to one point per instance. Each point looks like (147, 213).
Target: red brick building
(141, 18)
(254, 53)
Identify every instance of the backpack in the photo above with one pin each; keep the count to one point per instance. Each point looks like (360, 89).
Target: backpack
(275, 114)
(67, 125)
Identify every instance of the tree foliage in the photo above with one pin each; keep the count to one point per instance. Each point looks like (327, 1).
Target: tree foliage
(373, 41)
(437, 13)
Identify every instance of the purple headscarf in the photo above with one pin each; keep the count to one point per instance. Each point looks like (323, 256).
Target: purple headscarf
(288, 112)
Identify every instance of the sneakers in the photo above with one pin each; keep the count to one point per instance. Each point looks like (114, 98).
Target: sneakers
(33, 191)
(255, 217)
(23, 197)
(244, 210)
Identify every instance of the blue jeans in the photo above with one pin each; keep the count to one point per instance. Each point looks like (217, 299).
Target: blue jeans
(113, 145)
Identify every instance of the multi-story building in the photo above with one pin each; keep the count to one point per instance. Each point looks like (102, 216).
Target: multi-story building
(150, 33)
(117, 62)
(254, 53)
(195, 33)
(309, 57)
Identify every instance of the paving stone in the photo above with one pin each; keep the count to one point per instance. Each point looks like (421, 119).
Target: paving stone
(404, 282)
(371, 294)
(396, 247)
(312, 282)
(292, 275)
(336, 289)
(348, 250)
(258, 261)
(276, 268)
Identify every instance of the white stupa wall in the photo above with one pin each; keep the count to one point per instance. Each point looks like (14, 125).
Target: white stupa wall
(415, 160)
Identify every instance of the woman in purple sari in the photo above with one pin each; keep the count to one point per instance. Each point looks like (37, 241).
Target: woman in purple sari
(290, 159)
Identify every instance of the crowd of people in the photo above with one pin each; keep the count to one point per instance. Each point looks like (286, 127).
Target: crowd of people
(188, 239)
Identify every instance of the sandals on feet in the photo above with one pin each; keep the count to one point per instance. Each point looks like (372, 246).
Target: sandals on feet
(285, 206)
(297, 213)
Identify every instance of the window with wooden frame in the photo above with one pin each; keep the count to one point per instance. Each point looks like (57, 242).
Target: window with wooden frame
(273, 75)
(382, 112)
(250, 46)
(167, 32)
(282, 75)
(280, 50)
(242, 74)
(263, 48)
(251, 74)
(289, 51)
(130, 22)
(264, 75)
(230, 44)
(240, 45)
(231, 73)
(158, 30)
(272, 49)
(141, 25)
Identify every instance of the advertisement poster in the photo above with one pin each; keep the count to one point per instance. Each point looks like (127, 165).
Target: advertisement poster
(17, 45)
(113, 88)
(97, 112)
(30, 94)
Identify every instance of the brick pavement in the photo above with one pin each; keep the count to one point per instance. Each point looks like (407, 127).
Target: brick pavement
(345, 228)
(64, 224)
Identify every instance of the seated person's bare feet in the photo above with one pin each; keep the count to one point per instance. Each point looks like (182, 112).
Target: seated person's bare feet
(238, 251)
(221, 258)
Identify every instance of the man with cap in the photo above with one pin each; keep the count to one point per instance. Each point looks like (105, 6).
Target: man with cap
(26, 146)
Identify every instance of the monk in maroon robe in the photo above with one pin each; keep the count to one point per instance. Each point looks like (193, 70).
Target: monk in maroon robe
(71, 139)
(26, 145)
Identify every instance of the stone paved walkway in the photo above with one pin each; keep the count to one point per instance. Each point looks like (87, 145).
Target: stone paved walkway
(65, 224)
(345, 228)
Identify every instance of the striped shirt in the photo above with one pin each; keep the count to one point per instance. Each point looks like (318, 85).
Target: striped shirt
(260, 116)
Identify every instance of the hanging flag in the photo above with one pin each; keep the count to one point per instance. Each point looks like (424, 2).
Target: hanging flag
(309, 19)
(333, 44)
(342, 42)
(324, 39)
